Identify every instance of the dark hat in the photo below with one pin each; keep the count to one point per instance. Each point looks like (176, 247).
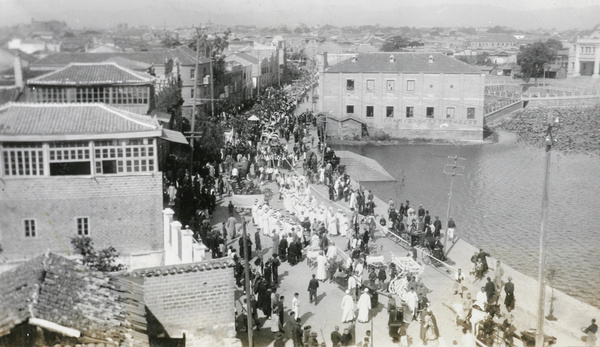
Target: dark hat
(307, 327)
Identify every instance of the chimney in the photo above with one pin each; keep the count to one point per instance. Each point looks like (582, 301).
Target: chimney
(18, 71)
(431, 59)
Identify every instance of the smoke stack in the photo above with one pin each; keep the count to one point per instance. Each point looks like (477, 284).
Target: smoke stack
(18, 71)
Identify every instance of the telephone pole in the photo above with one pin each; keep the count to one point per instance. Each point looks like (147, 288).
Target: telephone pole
(452, 173)
(247, 284)
(549, 141)
(193, 125)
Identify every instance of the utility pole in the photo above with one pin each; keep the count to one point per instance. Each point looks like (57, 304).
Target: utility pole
(193, 125)
(549, 141)
(212, 89)
(454, 166)
(247, 280)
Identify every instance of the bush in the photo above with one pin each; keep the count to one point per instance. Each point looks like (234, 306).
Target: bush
(380, 135)
(104, 260)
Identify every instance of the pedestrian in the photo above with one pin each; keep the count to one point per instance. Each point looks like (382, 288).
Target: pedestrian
(346, 337)
(296, 306)
(313, 341)
(483, 257)
(336, 337)
(297, 333)
(498, 275)
(276, 325)
(312, 289)
(364, 306)
(321, 267)
(275, 238)
(230, 226)
(402, 335)
(306, 335)
(347, 307)
(490, 290)
(275, 269)
(458, 278)
(429, 328)
(257, 243)
(509, 290)
(279, 340)
(591, 333)
(382, 277)
(230, 207)
(450, 231)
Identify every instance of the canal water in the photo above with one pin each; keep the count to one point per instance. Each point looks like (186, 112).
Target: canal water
(496, 203)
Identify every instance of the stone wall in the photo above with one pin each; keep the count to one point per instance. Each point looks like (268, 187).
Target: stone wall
(193, 299)
(123, 211)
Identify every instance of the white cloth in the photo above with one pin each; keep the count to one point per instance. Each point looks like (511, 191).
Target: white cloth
(321, 270)
(296, 307)
(364, 307)
(481, 299)
(332, 252)
(412, 300)
(347, 308)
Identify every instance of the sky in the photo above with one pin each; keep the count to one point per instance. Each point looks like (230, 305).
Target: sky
(106, 13)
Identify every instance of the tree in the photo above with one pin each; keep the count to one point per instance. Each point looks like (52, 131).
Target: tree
(532, 59)
(554, 44)
(105, 260)
(395, 44)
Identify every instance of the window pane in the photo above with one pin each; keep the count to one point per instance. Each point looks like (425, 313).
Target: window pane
(429, 112)
(389, 111)
(370, 111)
(349, 84)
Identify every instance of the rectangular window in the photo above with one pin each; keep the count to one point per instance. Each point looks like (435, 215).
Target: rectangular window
(83, 228)
(389, 111)
(192, 93)
(192, 73)
(390, 85)
(370, 111)
(349, 84)
(410, 111)
(29, 228)
(370, 85)
(23, 159)
(429, 112)
(350, 109)
(117, 156)
(69, 158)
(470, 112)
(410, 85)
(449, 112)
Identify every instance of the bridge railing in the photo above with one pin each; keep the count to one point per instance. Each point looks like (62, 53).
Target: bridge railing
(501, 104)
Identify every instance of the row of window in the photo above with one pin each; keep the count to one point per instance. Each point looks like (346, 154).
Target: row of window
(108, 95)
(410, 111)
(75, 158)
(588, 49)
(81, 223)
(390, 85)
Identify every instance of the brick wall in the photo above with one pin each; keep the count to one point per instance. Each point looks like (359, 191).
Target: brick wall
(123, 211)
(197, 299)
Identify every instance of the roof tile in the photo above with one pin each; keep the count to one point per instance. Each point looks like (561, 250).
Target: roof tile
(92, 74)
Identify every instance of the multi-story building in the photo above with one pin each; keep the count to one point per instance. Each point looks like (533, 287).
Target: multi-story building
(265, 70)
(584, 55)
(107, 83)
(72, 170)
(405, 95)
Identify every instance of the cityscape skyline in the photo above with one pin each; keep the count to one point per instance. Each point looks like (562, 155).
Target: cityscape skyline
(559, 14)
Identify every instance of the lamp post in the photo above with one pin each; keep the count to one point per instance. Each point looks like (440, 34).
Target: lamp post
(549, 141)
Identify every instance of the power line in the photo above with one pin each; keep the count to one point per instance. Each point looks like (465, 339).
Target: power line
(454, 166)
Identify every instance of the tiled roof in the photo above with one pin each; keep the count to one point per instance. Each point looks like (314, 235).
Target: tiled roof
(187, 56)
(178, 269)
(130, 64)
(21, 119)
(87, 74)
(247, 57)
(495, 38)
(99, 305)
(403, 62)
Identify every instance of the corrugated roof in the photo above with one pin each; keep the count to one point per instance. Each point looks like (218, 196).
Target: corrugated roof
(99, 305)
(87, 74)
(403, 62)
(21, 119)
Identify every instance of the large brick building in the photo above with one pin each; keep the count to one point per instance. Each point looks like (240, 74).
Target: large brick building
(405, 95)
(80, 170)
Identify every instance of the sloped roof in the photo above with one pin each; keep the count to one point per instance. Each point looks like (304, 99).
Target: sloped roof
(403, 62)
(495, 38)
(43, 121)
(76, 74)
(99, 305)
(130, 64)
(187, 56)
(245, 56)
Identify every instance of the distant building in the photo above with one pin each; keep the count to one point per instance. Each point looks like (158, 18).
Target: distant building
(494, 41)
(107, 83)
(406, 95)
(80, 170)
(584, 55)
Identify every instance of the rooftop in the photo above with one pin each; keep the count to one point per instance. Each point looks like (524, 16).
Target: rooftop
(42, 122)
(402, 62)
(76, 74)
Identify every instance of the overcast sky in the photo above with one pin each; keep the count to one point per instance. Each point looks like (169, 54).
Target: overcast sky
(170, 13)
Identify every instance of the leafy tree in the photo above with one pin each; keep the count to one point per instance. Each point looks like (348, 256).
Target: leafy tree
(395, 44)
(169, 100)
(104, 260)
(532, 59)
(554, 44)
(290, 73)
(498, 29)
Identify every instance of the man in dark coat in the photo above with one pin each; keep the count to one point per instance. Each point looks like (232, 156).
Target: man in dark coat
(257, 242)
(230, 208)
(483, 257)
(293, 252)
(297, 334)
(490, 290)
(312, 289)
(336, 337)
(275, 238)
(509, 289)
(283, 249)
(268, 273)
(275, 269)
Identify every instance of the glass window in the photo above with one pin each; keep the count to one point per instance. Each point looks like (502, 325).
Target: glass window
(23, 159)
(29, 228)
(349, 84)
(389, 111)
(410, 111)
(83, 228)
(69, 158)
(370, 85)
(449, 112)
(370, 111)
(429, 112)
(390, 85)
(470, 112)
(192, 73)
(114, 156)
(350, 109)
(410, 85)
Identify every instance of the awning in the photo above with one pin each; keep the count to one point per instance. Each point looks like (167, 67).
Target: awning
(174, 136)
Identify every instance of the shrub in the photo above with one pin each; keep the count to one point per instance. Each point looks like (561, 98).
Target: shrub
(104, 260)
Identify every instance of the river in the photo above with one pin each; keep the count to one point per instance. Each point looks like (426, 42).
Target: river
(496, 203)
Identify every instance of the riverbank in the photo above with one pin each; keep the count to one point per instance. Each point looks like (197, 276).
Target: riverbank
(405, 141)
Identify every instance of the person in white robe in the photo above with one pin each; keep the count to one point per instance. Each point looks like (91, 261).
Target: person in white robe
(353, 202)
(321, 267)
(259, 218)
(255, 212)
(364, 306)
(332, 223)
(343, 225)
(347, 308)
(412, 300)
(332, 251)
